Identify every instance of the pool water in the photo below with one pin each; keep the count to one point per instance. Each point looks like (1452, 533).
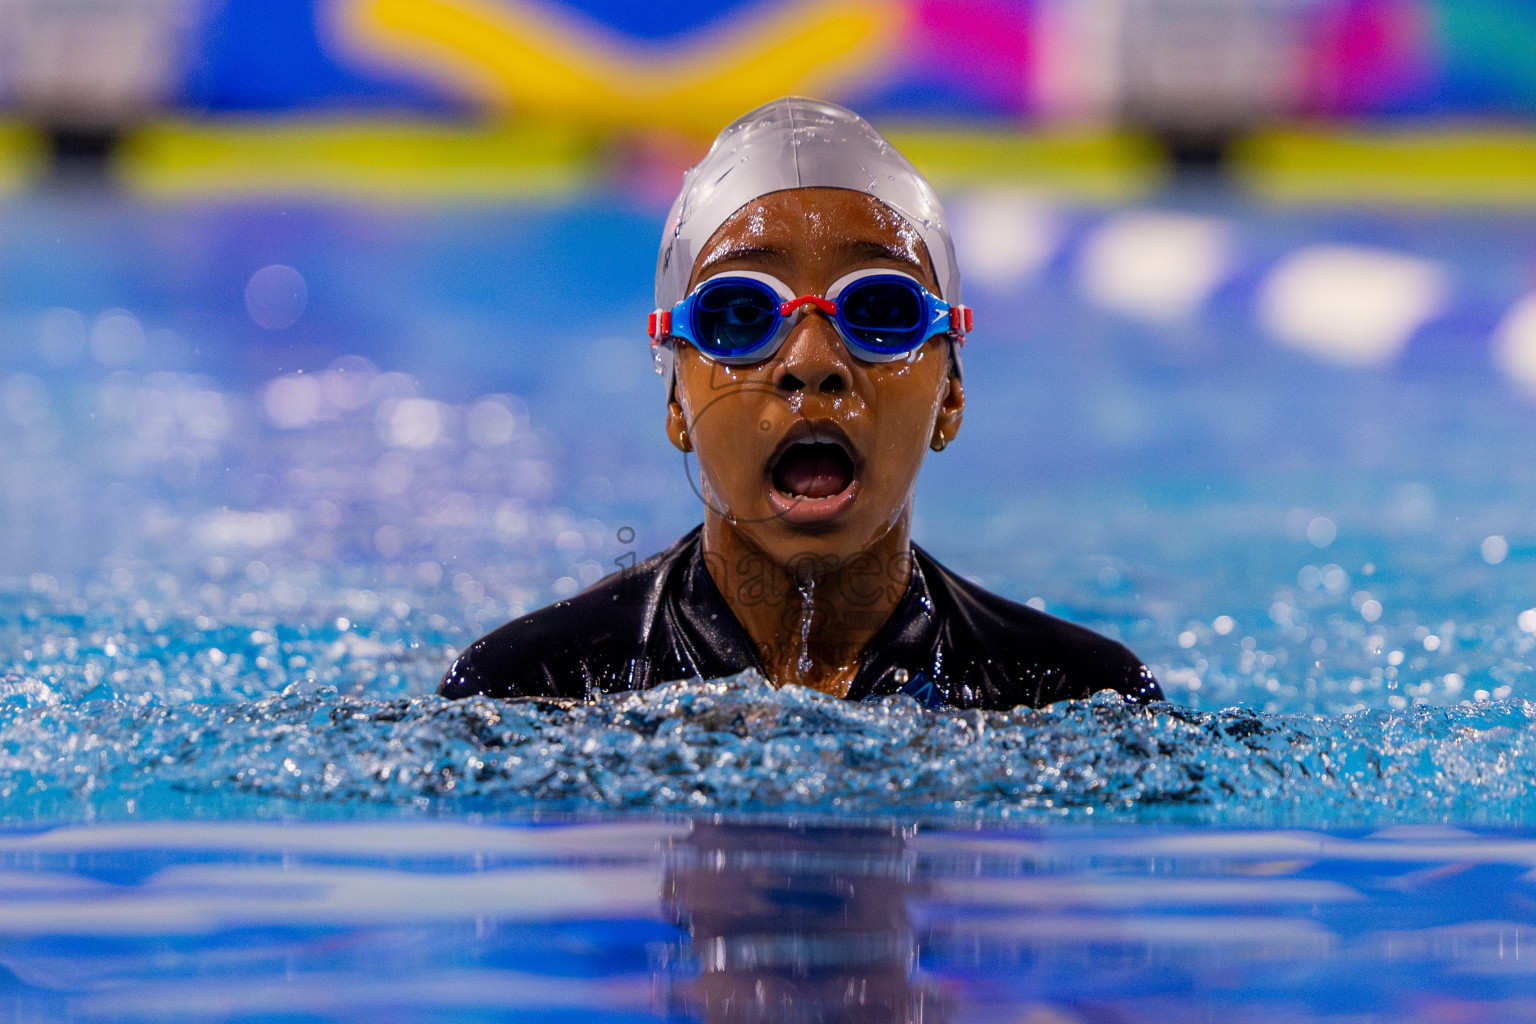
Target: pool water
(656, 920)
(265, 468)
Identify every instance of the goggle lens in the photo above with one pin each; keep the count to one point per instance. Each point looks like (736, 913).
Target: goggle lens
(884, 314)
(734, 316)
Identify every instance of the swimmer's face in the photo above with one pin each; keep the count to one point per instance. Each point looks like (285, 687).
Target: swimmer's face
(813, 451)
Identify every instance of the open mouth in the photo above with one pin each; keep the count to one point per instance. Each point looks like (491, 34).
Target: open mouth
(811, 469)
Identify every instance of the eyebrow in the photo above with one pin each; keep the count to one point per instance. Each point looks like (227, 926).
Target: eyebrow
(866, 249)
(862, 249)
(736, 252)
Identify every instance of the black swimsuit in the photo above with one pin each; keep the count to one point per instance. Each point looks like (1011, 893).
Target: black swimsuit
(948, 643)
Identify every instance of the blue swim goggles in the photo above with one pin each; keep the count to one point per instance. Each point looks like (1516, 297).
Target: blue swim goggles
(744, 316)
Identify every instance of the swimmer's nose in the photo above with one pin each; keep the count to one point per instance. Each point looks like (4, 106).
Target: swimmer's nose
(813, 358)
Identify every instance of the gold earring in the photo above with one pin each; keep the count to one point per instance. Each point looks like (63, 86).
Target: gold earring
(939, 444)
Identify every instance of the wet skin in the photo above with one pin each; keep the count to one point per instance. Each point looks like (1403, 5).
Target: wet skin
(767, 545)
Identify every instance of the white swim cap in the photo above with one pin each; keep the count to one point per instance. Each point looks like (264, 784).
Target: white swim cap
(794, 142)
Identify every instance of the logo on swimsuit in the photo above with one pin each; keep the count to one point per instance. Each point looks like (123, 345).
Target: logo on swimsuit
(920, 688)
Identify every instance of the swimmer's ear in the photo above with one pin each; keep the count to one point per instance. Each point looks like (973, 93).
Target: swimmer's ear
(951, 411)
(677, 424)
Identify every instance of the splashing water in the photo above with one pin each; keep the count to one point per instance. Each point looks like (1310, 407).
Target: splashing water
(807, 610)
(740, 745)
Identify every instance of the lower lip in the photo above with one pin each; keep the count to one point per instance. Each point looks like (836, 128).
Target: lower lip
(811, 511)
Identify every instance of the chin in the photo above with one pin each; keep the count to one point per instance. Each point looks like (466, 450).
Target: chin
(836, 540)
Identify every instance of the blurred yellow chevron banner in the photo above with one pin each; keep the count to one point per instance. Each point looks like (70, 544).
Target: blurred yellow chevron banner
(514, 57)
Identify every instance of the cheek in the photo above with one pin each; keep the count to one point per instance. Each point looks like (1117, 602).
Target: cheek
(725, 413)
(907, 397)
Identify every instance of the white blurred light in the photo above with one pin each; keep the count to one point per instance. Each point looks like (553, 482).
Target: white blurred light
(495, 422)
(117, 338)
(276, 296)
(1431, 643)
(348, 381)
(1188, 639)
(61, 337)
(227, 528)
(391, 385)
(1370, 610)
(389, 540)
(411, 423)
(204, 413)
(1007, 237)
(1155, 266)
(292, 402)
(392, 474)
(511, 520)
(1321, 532)
(1348, 304)
(565, 586)
(1223, 625)
(1495, 549)
(1527, 620)
(1514, 344)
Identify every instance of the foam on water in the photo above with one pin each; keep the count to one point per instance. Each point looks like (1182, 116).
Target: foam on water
(739, 745)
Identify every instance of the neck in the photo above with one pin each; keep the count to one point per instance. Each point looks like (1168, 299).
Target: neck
(810, 617)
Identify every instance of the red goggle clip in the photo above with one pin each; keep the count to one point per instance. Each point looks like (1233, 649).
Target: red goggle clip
(960, 321)
(659, 324)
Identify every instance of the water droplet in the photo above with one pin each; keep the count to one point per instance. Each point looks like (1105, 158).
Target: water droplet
(807, 593)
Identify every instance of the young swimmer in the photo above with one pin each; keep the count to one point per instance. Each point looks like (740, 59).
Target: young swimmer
(808, 331)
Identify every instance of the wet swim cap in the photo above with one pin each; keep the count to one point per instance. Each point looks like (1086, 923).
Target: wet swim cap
(794, 142)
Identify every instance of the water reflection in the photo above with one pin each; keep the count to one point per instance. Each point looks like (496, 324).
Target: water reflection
(792, 924)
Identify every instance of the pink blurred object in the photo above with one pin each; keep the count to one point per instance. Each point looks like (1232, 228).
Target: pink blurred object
(984, 44)
(1364, 55)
